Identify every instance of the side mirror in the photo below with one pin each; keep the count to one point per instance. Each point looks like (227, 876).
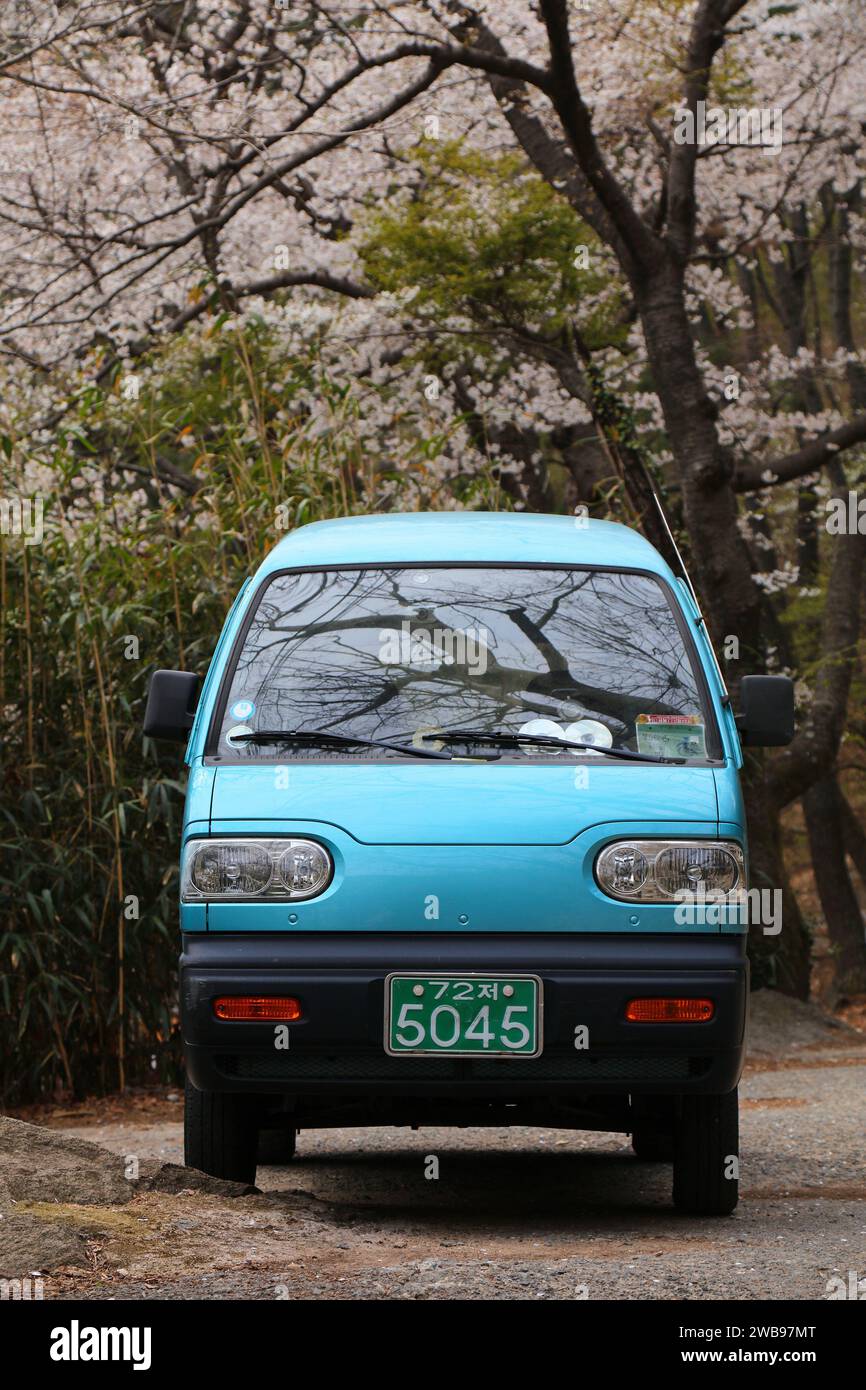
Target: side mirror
(171, 702)
(767, 705)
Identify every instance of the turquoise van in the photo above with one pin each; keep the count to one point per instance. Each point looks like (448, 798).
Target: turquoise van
(464, 844)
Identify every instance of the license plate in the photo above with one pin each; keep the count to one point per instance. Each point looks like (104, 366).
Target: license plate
(463, 1015)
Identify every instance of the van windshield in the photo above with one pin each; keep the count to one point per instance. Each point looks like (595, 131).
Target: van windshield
(399, 653)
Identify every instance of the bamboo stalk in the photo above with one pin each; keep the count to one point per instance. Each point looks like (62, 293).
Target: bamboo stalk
(28, 648)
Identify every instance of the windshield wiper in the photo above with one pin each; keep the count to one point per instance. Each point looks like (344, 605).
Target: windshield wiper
(544, 741)
(319, 737)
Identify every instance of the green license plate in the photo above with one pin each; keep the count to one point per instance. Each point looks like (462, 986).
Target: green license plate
(463, 1015)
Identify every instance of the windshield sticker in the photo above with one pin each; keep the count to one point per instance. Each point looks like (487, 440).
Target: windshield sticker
(671, 735)
(589, 731)
(242, 709)
(238, 729)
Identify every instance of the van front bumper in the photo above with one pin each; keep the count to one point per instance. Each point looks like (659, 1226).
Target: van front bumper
(336, 1048)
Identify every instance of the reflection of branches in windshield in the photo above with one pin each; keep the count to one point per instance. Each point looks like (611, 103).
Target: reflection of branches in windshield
(658, 670)
(629, 623)
(605, 642)
(570, 584)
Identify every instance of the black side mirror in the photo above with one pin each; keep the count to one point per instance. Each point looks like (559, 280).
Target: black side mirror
(171, 702)
(767, 705)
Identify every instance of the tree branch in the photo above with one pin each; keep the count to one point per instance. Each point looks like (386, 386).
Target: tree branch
(637, 244)
(268, 285)
(705, 39)
(809, 459)
(816, 746)
(550, 157)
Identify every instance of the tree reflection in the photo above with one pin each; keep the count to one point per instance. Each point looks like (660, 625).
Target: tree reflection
(565, 644)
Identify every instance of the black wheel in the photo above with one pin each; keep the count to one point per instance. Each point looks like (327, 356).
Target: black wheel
(277, 1146)
(653, 1145)
(220, 1134)
(706, 1155)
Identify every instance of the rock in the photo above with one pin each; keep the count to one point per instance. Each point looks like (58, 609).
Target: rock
(173, 1177)
(780, 1025)
(29, 1244)
(46, 1165)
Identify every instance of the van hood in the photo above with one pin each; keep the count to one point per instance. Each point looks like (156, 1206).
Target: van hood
(460, 802)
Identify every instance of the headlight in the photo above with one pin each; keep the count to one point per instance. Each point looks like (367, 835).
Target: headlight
(655, 871)
(246, 870)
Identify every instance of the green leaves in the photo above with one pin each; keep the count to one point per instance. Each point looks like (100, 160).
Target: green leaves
(138, 572)
(486, 238)
(128, 581)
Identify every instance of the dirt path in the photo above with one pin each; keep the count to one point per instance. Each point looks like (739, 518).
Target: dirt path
(513, 1213)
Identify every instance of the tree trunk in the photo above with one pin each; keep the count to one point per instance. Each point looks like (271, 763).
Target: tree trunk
(719, 553)
(654, 261)
(782, 961)
(722, 567)
(824, 821)
(854, 836)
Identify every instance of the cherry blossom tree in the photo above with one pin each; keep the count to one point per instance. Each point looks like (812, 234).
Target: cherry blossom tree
(173, 167)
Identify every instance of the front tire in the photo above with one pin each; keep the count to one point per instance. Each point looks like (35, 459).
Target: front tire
(706, 1155)
(220, 1134)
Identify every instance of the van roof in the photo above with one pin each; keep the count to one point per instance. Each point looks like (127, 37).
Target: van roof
(426, 537)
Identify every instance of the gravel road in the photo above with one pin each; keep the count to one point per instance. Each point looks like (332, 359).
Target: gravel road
(513, 1214)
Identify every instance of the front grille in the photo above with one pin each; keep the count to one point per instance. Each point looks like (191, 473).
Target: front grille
(378, 1066)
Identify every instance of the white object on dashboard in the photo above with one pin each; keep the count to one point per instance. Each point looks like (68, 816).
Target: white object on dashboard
(590, 731)
(541, 728)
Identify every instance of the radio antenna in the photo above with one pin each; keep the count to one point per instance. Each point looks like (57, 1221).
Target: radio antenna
(726, 699)
(675, 548)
